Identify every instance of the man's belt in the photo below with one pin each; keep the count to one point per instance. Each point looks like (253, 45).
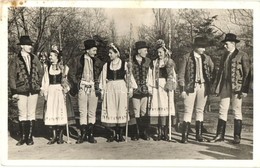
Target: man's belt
(199, 82)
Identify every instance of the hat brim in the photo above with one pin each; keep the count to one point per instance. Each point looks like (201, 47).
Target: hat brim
(25, 43)
(142, 47)
(200, 45)
(236, 41)
(89, 48)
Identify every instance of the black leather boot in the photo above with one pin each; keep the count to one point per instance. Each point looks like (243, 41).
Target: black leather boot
(22, 128)
(199, 126)
(30, 132)
(53, 130)
(136, 130)
(185, 131)
(159, 131)
(237, 131)
(91, 138)
(145, 134)
(112, 134)
(60, 134)
(221, 128)
(83, 133)
(120, 135)
(165, 135)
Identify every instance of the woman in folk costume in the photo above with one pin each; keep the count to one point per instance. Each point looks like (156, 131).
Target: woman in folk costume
(161, 83)
(54, 90)
(113, 85)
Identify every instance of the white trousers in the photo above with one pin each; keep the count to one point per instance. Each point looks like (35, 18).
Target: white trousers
(226, 97)
(27, 107)
(195, 101)
(139, 106)
(87, 106)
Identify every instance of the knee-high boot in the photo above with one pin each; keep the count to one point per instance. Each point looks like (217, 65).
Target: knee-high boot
(22, 129)
(237, 131)
(30, 132)
(60, 134)
(185, 131)
(199, 127)
(91, 138)
(83, 133)
(53, 130)
(146, 125)
(136, 130)
(221, 129)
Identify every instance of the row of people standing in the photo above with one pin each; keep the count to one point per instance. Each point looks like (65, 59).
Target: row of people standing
(150, 82)
(145, 78)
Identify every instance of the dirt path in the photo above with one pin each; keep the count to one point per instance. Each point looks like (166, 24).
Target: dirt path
(140, 150)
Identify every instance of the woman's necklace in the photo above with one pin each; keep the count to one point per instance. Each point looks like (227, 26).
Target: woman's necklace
(54, 66)
(115, 63)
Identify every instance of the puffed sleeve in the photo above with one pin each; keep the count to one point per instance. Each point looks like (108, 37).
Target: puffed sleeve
(103, 78)
(133, 83)
(171, 83)
(45, 81)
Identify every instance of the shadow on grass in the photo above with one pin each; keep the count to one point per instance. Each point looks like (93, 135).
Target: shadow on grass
(220, 150)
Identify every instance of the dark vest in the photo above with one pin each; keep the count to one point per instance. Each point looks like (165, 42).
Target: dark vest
(163, 72)
(117, 74)
(55, 79)
(140, 72)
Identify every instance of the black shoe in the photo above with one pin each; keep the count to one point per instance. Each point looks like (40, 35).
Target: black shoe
(221, 128)
(112, 134)
(91, 138)
(22, 128)
(30, 132)
(185, 131)
(83, 133)
(53, 129)
(159, 133)
(165, 135)
(120, 135)
(237, 131)
(145, 135)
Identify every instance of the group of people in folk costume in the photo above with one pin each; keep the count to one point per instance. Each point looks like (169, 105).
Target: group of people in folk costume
(145, 81)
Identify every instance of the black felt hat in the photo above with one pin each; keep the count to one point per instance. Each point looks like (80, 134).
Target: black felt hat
(89, 44)
(140, 44)
(25, 40)
(230, 37)
(200, 42)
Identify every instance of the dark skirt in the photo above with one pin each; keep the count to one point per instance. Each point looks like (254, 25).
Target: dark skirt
(159, 120)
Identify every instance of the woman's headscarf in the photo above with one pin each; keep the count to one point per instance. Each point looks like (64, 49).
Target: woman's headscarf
(114, 48)
(161, 44)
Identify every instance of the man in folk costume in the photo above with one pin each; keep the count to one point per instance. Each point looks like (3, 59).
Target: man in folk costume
(25, 76)
(233, 81)
(139, 100)
(195, 78)
(86, 78)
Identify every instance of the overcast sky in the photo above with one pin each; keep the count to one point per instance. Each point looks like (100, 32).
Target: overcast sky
(124, 16)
